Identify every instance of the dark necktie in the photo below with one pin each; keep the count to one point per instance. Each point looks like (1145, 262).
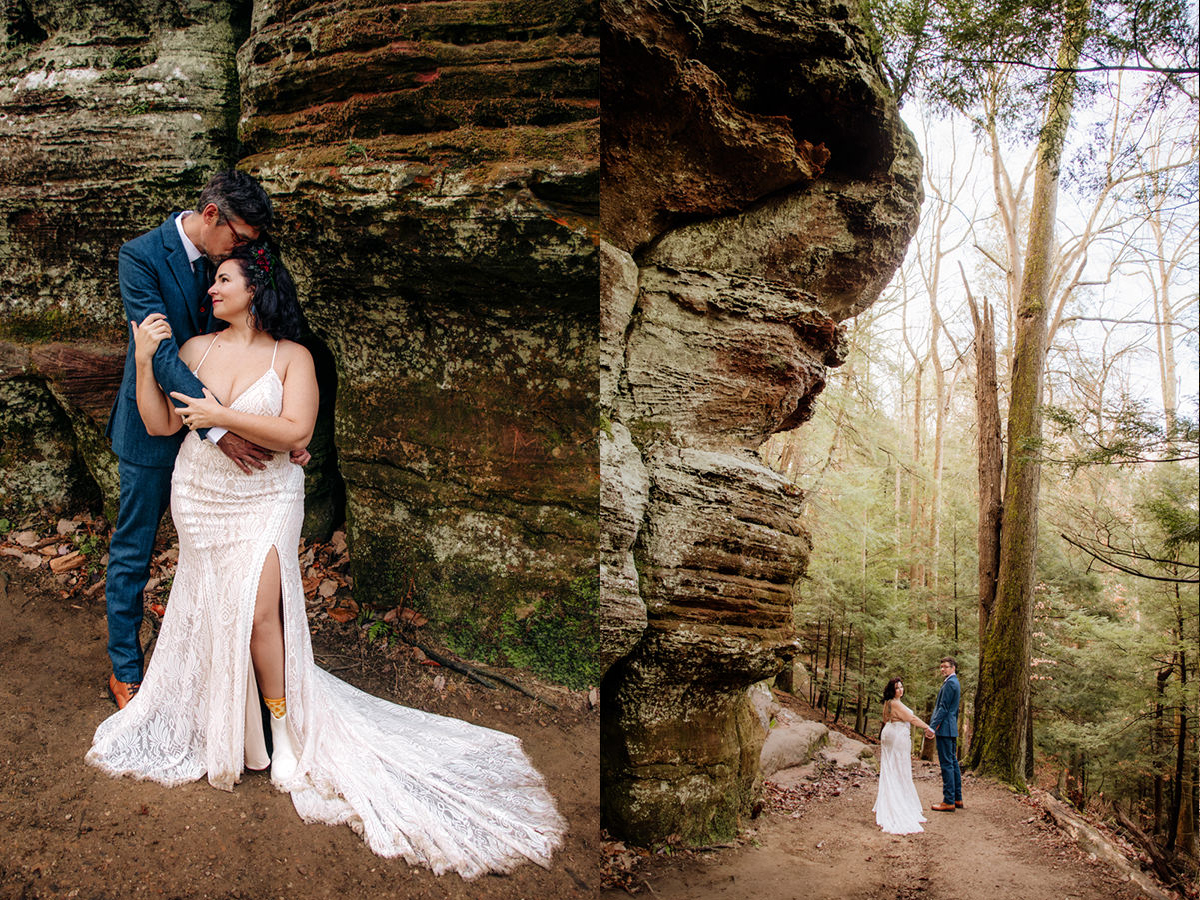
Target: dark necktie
(200, 270)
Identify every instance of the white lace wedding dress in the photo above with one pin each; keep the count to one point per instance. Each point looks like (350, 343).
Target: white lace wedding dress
(436, 791)
(897, 807)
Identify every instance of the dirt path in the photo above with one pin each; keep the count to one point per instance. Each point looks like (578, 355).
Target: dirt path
(66, 830)
(996, 848)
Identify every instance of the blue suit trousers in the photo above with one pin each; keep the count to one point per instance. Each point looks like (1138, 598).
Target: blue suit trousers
(947, 748)
(145, 495)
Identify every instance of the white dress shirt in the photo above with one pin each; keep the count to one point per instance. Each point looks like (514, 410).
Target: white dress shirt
(193, 253)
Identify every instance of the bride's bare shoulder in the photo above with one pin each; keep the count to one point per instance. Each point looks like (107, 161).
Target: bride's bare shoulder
(194, 348)
(291, 351)
(294, 358)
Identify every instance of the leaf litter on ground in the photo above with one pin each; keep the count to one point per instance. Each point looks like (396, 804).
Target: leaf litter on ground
(75, 550)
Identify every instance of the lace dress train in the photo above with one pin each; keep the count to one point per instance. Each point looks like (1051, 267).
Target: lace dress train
(897, 807)
(434, 790)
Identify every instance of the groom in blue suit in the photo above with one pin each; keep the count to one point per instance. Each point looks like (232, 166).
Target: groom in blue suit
(944, 723)
(167, 271)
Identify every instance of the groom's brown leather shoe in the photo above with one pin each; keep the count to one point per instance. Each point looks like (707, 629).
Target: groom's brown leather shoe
(943, 807)
(122, 691)
(958, 804)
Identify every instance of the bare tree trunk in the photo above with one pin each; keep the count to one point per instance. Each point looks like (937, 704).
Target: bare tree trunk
(935, 481)
(823, 697)
(860, 713)
(1181, 829)
(991, 457)
(816, 655)
(916, 571)
(1003, 690)
(1029, 743)
(843, 665)
(990, 468)
(1157, 735)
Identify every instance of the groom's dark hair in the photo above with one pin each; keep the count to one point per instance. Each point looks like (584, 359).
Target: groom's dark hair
(237, 194)
(951, 660)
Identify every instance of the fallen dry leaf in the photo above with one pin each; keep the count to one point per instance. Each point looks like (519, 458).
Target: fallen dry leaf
(327, 588)
(340, 614)
(337, 542)
(32, 560)
(413, 618)
(158, 609)
(25, 538)
(66, 526)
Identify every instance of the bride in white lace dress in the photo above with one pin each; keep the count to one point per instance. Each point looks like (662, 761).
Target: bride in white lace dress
(436, 791)
(897, 807)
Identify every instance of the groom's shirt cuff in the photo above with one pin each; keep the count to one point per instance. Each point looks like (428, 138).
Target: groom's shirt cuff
(215, 434)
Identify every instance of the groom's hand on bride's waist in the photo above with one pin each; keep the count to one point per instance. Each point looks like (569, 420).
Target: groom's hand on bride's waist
(300, 457)
(243, 452)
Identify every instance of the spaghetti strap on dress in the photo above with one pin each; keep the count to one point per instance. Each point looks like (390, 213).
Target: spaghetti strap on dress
(209, 347)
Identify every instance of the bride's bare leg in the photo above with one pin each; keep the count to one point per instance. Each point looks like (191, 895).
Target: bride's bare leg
(266, 637)
(266, 652)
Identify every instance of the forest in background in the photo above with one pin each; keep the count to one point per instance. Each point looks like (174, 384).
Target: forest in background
(893, 460)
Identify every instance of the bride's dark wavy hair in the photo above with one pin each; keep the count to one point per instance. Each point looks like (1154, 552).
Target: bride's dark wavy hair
(889, 692)
(274, 305)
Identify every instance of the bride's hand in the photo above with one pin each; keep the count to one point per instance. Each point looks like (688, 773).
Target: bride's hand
(146, 337)
(199, 412)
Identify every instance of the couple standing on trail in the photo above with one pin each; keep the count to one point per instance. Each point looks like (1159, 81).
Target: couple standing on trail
(223, 344)
(897, 807)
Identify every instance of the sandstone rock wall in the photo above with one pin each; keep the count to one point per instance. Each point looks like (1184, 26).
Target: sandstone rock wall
(111, 116)
(762, 189)
(435, 169)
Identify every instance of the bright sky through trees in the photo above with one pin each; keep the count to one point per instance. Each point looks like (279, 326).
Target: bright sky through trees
(1111, 310)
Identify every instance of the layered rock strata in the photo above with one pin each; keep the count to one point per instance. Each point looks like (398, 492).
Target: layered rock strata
(763, 189)
(110, 117)
(435, 170)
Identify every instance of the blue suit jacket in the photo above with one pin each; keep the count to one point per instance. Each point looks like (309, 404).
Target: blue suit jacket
(155, 276)
(944, 720)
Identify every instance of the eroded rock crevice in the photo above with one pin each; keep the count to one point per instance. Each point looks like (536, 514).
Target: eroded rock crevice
(763, 190)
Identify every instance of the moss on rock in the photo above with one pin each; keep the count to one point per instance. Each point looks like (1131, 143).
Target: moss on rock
(40, 469)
